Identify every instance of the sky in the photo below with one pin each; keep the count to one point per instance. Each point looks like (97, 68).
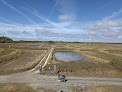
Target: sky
(62, 20)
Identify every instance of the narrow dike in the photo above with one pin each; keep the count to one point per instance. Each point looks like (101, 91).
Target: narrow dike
(49, 53)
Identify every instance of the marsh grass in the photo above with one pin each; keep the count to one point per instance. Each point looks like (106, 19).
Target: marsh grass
(23, 68)
(16, 87)
(10, 55)
(97, 55)
(86, 69)
(98, 89)
(117, 64)
(5, 51)
(96, 66)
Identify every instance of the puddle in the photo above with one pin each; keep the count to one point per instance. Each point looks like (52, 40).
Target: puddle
(66, 57)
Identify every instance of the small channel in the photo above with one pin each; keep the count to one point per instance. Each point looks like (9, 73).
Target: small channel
(68, 56)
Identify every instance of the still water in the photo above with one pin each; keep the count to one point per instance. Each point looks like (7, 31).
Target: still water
(47, 46)
(66, 57)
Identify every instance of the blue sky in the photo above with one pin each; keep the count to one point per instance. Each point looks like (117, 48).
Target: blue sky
(62, 20)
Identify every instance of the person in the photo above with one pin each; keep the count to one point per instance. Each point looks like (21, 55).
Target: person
(40, 69)
(62, 79)
(50, 70)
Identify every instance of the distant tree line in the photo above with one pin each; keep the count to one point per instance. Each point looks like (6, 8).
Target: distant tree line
(5, 40)
(8, 40)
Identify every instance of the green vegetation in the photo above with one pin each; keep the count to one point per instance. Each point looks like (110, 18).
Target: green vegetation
(50, 41)
(5, 40)
(115, 63)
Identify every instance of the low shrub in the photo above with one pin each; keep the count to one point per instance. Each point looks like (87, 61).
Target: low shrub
(87, 67)
(115, 63)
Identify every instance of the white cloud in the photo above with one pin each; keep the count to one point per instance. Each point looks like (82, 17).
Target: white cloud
(93, 33)
(2, 33)
(105, 31)
(57, 36)
(66, 17)
(109, 24)
(53, 33)
(58, 26)
(75, 22)
(104, 25)
(18, 27)
(25, 33)
(115, 14)
(14, 32)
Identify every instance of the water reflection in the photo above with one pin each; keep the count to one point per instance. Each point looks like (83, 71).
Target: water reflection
(47, 46)
(68, 57)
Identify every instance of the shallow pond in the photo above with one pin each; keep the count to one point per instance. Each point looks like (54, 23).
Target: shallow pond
(63, 56)
(47, 46)
(36, 44)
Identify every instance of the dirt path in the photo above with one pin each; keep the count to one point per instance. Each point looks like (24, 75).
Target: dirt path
(35, 80)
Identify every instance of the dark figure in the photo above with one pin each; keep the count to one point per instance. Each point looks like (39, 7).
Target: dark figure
(63, 78)
(40, 69)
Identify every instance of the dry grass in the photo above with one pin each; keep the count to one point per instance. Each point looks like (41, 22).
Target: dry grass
(5, 51)
(14, 87)
(97, 56)
(86, 69)
(106, 57)
(98, 89)
(20, 87)
(9, 54)
(99, 52)
(28, 60)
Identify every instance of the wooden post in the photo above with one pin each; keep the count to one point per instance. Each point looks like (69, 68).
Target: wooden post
(54, 69)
